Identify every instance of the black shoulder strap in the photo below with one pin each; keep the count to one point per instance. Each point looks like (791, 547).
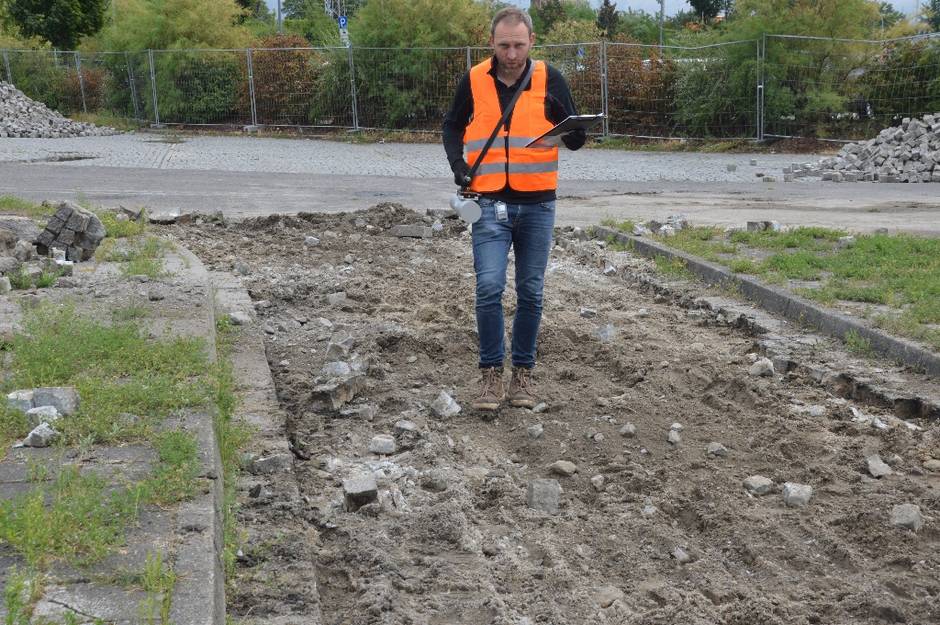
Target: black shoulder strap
(502, 121)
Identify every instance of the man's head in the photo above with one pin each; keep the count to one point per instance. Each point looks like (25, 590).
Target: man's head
(511, 37)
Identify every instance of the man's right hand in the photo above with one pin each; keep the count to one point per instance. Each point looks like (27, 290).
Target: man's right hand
(461, 173)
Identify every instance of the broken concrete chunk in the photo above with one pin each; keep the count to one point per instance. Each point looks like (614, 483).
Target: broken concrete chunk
(877, 467)
(20, 400)
(64, 398)
(445, 406)
(797, 495)
(42, 414)
(564, 468)
(416, 231)
(908, 516)
(758, 485)
(42, 436)
(275, 463)
(762, 368)
(382, 444)
(359, 490)
(544, 495)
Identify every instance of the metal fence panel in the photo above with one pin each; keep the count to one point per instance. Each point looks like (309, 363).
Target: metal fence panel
(49, 77)
(672, 92)
(302, 87)
(202, 87)
(406, 88)
(848, 89)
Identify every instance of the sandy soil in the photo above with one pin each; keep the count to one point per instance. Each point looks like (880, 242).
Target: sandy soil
(671, 536)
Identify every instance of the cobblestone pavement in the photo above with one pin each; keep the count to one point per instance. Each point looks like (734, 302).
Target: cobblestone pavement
(244, 176)
(382, 159)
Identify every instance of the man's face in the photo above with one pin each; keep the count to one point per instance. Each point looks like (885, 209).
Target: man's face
(512, 43)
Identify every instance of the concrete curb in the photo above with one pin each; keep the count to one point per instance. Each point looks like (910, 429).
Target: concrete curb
(787, 304)
(199, 594)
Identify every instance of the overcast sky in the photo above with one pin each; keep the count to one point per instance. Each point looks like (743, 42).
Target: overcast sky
(672, 6)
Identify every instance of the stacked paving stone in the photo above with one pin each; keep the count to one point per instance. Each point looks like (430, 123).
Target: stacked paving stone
(906, 153)
(73, 229)
(23, 117)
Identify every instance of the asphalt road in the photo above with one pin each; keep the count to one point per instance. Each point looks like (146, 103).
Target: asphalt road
(252, 176)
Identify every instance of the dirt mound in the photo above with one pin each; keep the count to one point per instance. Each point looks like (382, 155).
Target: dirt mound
(668, 535)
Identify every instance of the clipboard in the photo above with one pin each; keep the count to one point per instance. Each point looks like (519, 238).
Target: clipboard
(572, 122)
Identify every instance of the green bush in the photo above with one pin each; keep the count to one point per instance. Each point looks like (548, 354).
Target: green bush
(200, 87)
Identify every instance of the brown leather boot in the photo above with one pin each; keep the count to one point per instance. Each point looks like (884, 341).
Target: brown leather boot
(521, 392)
(492, 392)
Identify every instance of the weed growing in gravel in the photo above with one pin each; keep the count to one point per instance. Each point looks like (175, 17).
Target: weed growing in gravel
(673, 267)
(128, 313)
(623, 226)
(20, 280)
(118, 229)
(232, 437)
(138, 256)
(175, 477)
(158, 580)
(858, 344)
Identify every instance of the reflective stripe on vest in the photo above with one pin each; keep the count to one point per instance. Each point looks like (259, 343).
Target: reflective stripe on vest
(508, 160)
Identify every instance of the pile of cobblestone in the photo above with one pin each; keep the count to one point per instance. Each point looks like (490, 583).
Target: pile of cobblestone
(73, 229)
(23, 117)
(906, 153)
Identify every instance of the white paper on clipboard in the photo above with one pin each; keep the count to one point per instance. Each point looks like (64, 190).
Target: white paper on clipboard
(572, 122)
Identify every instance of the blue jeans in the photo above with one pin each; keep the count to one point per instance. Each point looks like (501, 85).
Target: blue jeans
(529, 232)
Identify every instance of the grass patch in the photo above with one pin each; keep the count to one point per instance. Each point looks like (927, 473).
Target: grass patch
(81, 522)
(175, 477)
(21, 280)
(126, 382)
(19, 206)
(108, 119)
(900, 271)
(634, 144)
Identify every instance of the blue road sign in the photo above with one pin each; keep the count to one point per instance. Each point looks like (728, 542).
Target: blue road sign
(342, 22)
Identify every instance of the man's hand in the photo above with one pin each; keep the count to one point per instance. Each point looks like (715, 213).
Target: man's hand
(461, 173)
(574, 139)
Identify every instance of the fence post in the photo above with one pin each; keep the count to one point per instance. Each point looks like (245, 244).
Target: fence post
(81, 80)
(352, 86)
(251, 87)
(153, 86)
(469, 60)
(761, 57)
(6, 63)
(605, 124)
(132, 84)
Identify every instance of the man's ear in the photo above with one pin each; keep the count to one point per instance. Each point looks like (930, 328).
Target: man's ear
(532, 38)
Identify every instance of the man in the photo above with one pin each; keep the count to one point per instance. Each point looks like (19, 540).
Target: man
(517, 187)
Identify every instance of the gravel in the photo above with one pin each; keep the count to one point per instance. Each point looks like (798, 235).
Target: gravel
(21, 116)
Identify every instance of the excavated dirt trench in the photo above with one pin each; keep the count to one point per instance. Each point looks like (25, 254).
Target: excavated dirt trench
(451, 539)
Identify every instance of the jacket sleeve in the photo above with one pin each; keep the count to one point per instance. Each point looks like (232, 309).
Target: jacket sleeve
(560, 105)
(456, 120)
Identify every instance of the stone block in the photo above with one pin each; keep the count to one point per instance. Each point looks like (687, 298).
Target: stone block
(359, 490)
(65, 399)
(416, 231)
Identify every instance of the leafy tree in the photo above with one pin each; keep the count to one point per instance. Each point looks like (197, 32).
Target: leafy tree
(574, 31)
(639, 26)
(546, 14)
(60, 22)
(254, 8)
(608, 19)
(930, 12)
(420, 23)
(167, 24)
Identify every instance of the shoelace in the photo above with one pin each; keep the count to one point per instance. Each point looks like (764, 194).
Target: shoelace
(522, 378)
(489, 377)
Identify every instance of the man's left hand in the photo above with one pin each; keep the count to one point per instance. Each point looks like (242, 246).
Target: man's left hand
(575, 139)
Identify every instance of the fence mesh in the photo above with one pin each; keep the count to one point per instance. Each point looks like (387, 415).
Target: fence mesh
(683, 92)
(825, 88)
(842, 89)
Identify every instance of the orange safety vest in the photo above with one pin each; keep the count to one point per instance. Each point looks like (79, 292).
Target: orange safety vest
(527, 169)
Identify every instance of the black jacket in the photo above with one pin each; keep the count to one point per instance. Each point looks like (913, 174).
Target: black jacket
(558, 106)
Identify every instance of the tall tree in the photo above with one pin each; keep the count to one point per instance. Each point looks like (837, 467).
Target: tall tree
(608, 19)
(707, 10)
(254, 8)
(889, 15)
(930, 11)
(60, 22)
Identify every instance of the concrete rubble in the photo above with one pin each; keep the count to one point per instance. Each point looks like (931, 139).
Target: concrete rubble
(23, 117)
